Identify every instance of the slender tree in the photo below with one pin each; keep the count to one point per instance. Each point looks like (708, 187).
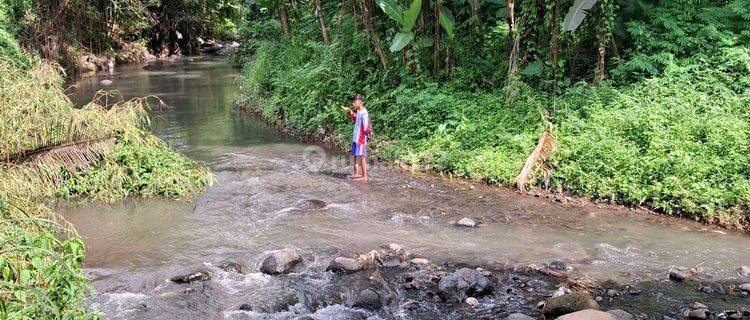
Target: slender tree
(321, 20)
(436, 42)
(283, 19)
(365, 8)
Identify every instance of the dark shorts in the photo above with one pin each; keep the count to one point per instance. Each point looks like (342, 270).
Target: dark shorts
(359, 149)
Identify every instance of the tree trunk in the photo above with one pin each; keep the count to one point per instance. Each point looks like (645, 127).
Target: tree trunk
(282, 18)
(354, 16)
(436, 43)
(613, 46)
(475, 12)
(554, 47)
(513, 57)
(600, 64)
(367, 20)
(322, 22)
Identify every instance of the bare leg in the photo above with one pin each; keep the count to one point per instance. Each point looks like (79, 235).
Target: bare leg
(354, 165)
(363, 167)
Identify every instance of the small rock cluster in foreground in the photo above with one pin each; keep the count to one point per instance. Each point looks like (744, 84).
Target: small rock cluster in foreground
(399, 282)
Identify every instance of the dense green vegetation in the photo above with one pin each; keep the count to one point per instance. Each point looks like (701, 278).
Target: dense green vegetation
(52, 150)
(63, 31)
(649, 100)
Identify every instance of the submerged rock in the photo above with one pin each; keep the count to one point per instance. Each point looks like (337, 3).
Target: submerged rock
(106, 82)
(471, 301)
(191, 277)
(281, 262)
(710, 288)
(518, 316)
(368, 299)
(462, 284)
(245, 307)
(316, 204)
(466, 222)
(568, 303)
(231, 266)
(588, 314)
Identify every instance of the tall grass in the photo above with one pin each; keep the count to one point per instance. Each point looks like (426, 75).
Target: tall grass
(50, 150)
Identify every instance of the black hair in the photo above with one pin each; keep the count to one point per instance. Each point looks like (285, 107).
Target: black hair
(359, 97)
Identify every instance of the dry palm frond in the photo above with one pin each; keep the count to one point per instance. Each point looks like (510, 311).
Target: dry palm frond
(582, 284)
(544, 149)
(71, 156)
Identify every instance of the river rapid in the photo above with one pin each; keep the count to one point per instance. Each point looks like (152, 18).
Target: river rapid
(275, 192)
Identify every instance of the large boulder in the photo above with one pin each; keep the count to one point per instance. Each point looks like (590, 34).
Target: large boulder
(588, 314)
(568, 303)
(621, 314)
(280, 262)
(344, 264)
(463, 283)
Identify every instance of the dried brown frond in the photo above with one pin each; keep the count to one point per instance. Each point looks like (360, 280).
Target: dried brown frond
(545, 147)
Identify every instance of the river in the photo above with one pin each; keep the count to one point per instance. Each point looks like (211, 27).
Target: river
(261, 202)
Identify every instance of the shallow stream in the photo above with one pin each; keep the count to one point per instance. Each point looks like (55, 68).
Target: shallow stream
(261, 202)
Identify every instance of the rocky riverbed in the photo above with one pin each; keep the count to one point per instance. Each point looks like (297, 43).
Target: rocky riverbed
(391, 282)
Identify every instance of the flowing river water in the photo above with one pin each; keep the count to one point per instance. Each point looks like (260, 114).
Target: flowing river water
(261, 203)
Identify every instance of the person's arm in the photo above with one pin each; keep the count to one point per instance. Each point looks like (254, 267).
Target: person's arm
(352, 115)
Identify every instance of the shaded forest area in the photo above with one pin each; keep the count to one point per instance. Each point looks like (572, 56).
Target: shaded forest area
(643, 103)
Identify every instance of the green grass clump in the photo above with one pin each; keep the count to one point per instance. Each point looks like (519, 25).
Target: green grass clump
(677, 144)
(40, 275)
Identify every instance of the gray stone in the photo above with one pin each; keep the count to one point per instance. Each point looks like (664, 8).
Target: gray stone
(744, 271)
(471, 301)
(231, 266)
(621, 314)
(697, 314)
(588, 314)
(344, 264)
(245, 307)
(466, 222)
(191, 277)
(745, 287)
(677, 275)
(569, 303)
(518, 316)
(279, 262)
(368, 299)
(463, 283)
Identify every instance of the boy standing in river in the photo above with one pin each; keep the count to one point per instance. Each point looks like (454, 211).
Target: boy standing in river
(360, 134)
